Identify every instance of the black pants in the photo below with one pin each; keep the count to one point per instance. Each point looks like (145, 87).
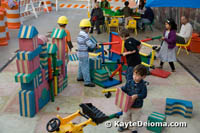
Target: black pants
(170, 63)
(97, 24)
(180, 39)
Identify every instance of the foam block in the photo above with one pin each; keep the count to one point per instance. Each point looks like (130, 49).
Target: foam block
(28, 66)
(44, 99)
(60, 83)
(153, 118)
(177, 106)
(95, 63)
(28, 44)
(101, 75)
(108, 83)
(122, 100)
(27, 103)
(160, 73)
(34, 83)
(23, 55)
(65, 82)
(26, 78)
(73, 57)
(60, 43)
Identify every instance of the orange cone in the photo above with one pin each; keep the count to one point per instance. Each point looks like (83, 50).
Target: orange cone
(3, 38)
(13, 17)
(48, 3)
(5, 20)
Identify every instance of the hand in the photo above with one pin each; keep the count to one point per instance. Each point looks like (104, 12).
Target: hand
(134, 97)
(162, 38)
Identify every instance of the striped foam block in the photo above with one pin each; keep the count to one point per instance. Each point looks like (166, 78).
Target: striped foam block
(23, 55)
(101, 75)
(60, 83)
(28, 66)
(28, 44)
(27, 103)
(95, 63)
(153, 118)
(51, 48)
(26, 78)
(34, 83)
(177, 106)
(73, 57)
(122, 100)
(58, 33)
(27, 32)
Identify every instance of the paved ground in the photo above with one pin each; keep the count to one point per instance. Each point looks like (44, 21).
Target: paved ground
(179, 85)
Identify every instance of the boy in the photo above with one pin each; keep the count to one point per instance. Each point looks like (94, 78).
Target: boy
(84, 43)
(138, 91)
(127, 13)
(62, 22)
(132, 47)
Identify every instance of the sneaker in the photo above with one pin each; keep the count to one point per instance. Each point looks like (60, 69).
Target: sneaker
(80, 79)
(98, 32)
(134, 131)
(173, 70)
(121, 129)
(90, 85)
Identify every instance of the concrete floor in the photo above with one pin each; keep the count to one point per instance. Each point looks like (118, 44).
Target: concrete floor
(179, 85)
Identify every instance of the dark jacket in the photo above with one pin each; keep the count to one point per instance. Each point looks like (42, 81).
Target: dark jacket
(136, 88)
(171, 40)
(127, 11)
(148, 13)
(97, 12)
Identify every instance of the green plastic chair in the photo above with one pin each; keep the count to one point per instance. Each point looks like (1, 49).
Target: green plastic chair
(150, 25)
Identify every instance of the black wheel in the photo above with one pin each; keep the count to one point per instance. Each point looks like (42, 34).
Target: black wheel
(53, 125)
(108, 95)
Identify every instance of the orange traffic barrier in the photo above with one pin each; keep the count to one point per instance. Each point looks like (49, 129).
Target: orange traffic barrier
(5, 20)
(3, 38)
(48, 3)
(13, 17)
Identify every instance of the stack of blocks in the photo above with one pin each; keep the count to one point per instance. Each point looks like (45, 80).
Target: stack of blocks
(33, 68)
(155, 122)
(34, 93)
(177, 106)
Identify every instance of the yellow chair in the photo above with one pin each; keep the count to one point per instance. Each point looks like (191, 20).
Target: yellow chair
(184, 46)
(132, 24)
(114, 23)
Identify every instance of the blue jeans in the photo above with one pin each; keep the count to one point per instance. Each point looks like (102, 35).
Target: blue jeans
(143, 21)
(129, 76)
(83, 70)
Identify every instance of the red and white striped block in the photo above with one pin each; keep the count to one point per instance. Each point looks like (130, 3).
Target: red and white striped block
(26, 66)
(38, 93)
(39, 9)
(27, 13)
(78, 6)
(122, 100)
(28, 44)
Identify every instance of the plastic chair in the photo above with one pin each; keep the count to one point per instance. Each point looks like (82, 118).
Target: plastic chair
(149, 25)
(114, 23)
(132, 24)
(184, 46)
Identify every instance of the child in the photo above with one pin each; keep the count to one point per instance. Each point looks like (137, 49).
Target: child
(84, 43)
(138, 91)
(127, 13)
(167, 52)
(132, 47)
(62, 22)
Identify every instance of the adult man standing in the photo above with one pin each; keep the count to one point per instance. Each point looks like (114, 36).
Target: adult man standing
(185, 32)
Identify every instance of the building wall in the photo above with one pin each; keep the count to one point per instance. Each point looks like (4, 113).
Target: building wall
(161, 14)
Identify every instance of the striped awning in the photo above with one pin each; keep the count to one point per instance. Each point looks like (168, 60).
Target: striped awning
(27, 32)
(58, 33)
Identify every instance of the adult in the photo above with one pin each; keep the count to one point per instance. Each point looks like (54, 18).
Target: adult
(97, 18)
(146, 18)
(186, 31)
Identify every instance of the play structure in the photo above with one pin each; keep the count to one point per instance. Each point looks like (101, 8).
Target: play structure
(41, 69)
(177, 106)
(93, 115)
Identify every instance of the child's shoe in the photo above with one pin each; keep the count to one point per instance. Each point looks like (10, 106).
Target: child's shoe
(134, 131)
(121, 129)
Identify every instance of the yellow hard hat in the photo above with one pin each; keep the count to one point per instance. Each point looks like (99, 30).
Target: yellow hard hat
(85, 23)
(62, 20)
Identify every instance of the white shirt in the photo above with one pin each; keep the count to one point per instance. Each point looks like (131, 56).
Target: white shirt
(186, 31)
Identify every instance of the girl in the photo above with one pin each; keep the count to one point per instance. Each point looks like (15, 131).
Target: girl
(167, 52)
